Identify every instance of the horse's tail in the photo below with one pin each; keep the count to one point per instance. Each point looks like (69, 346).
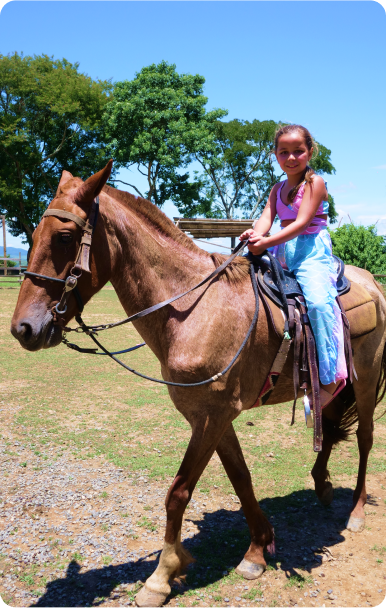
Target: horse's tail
(342, 430)
(381, 386)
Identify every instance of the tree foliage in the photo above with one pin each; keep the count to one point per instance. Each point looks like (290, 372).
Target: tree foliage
(50, 120)
(360, 246)
(156, 122)
(239, 174)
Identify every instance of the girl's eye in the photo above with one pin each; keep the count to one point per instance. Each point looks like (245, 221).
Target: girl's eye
(66, 238)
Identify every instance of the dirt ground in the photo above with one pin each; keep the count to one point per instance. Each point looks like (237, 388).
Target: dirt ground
(89, 533)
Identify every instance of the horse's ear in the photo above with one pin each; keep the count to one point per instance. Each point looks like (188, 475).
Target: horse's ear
(66, 176)
(93, 185)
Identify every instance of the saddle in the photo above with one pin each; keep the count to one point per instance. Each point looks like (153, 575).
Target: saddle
(355, 300)
(286, 308)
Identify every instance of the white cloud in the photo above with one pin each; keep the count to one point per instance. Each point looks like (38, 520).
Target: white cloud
(342, 188)
(380, 167)
(348, 208)
(371, 219)
(378, 220)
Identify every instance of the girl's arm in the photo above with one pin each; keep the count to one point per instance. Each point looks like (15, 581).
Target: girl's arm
(265, 221)
(313, 196)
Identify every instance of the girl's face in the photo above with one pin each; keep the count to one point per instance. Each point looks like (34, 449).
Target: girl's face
(292, 153)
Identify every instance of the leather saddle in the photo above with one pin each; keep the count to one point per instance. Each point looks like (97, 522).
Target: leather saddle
(353, 298)
(291, 288)
(286, 307)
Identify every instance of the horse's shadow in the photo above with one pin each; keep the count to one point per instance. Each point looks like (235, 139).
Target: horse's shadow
(303, 528)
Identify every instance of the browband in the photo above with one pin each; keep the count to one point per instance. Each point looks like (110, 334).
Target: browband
(67, 215)
(82, 258)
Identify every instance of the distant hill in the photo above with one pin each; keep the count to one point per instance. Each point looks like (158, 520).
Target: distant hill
(13, 252)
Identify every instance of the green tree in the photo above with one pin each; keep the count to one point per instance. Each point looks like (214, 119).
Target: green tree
(156, 122)
(360, 246)
(50, 120)
(240, 173)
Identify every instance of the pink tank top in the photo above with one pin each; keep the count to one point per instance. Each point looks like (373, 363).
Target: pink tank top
(290, 212)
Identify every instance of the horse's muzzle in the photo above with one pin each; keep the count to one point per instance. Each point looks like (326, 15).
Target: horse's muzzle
(34, 335)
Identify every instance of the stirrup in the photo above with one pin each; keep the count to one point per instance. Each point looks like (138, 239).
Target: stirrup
(307, 412)
(328, 396)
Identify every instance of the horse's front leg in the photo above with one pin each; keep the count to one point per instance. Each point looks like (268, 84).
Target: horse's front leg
(231, 456)
(207, 431)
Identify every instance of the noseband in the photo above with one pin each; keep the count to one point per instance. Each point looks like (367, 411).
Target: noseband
(82, 260)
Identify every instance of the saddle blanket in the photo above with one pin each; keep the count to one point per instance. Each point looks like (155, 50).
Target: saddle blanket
(357, 303)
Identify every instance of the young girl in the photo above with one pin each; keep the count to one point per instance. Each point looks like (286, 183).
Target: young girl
(303, 246)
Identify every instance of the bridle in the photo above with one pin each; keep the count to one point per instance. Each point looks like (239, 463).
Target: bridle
(70, 285)
(82, 259)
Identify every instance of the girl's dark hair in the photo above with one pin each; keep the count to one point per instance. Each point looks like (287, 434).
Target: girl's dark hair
(310, 143)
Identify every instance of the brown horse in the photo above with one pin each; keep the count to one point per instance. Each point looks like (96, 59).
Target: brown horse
(148, 259)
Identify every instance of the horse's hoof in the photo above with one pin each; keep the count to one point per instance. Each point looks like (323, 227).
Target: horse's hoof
(249, 570)
(145, 597)
(355, 524)
(327, 495)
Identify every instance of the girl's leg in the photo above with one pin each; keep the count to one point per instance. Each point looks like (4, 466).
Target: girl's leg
(313, 266)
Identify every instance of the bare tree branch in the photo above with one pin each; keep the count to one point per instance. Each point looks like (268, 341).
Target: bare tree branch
(126, 184)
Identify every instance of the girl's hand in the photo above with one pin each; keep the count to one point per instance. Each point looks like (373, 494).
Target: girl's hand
(257, 242)
(246, 234)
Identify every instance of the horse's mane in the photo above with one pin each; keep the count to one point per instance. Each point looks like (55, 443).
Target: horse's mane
(234, 273)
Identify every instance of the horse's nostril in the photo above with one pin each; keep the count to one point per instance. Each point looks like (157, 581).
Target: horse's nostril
(25, 332)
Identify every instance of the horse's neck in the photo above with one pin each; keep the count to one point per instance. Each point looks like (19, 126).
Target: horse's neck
(147, 265)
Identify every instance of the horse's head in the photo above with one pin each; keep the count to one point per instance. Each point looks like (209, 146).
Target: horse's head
(56, 243)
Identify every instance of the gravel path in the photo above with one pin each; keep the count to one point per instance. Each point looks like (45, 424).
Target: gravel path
(76, 532)
(79, 533)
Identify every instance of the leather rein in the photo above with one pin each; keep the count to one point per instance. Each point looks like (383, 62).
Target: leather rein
(70, 284)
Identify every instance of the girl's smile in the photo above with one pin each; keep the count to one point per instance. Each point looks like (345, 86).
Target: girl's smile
(292, 153)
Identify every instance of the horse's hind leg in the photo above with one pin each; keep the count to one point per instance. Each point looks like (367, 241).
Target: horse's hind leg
(369, 367)
(229, 451)
(356, 521)
(365, 407)
(332, 415)
(206, 434)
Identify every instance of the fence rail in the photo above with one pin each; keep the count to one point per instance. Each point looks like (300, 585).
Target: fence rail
(7, 272)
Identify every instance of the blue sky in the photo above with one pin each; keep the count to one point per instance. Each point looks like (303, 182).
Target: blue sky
(321, 64)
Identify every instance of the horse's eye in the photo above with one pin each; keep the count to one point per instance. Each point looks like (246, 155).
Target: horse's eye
(66, 238)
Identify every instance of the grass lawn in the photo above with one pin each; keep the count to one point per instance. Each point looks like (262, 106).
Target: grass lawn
(90, 404)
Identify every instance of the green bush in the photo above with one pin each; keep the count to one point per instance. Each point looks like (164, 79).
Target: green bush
(360, 246)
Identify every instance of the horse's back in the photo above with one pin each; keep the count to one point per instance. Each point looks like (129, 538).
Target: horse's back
(366, 280)
(368, 349)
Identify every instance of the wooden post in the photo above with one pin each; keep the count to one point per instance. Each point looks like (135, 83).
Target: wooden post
(4, 246)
